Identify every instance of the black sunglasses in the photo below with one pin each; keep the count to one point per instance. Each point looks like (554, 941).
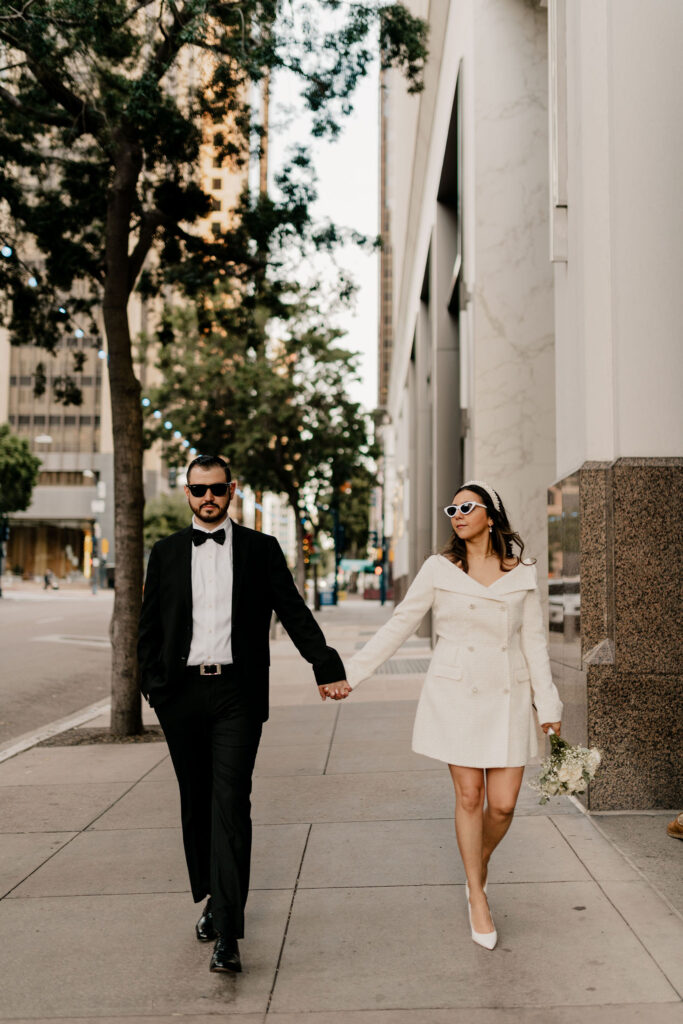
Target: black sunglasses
(199, 490)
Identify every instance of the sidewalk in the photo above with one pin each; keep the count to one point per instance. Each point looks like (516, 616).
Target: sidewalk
(357, 908)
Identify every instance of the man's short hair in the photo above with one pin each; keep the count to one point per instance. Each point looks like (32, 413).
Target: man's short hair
(207, 461)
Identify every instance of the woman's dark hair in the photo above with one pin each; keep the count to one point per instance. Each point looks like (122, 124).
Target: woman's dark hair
(501, 538)
(206, 462)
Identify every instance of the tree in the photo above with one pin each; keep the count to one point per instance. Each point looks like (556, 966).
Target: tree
(98, 153)
(163, 515)
(18, 472)
(280, 413)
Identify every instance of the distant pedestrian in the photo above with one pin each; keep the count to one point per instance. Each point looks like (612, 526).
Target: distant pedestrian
(475, 711)
(47, 580)
(203, 649)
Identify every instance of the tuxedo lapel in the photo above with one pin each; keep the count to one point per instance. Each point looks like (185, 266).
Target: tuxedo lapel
(185, 537)
(240, 543)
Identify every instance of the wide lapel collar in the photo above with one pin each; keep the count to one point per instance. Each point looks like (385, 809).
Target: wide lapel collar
(240, 545)
(449, 577)
(185, 537)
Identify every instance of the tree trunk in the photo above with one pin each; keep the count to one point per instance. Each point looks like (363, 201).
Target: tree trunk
(126, 713)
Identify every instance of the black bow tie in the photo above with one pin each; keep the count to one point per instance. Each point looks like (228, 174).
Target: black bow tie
(199, 536)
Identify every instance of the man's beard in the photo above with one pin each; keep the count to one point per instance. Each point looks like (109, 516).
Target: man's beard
(210, 515)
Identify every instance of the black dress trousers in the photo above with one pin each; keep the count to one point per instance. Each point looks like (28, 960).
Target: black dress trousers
(213, 737)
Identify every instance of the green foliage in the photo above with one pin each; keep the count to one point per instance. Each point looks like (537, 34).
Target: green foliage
(353, 509)
(164, 515)
(99, 141)
(18, 472)
(280, 411)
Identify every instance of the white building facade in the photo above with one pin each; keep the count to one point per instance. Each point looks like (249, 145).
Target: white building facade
(535, 235)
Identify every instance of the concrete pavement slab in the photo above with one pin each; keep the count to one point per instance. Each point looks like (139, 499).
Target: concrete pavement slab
(64, 808)
(290, 726)
(92, 763)
(390, 753)
(425, 853)
(122, 956)
(147, 805)
(623, 1013)
(600, 858)
(643, 839)
(240, 1018)
(389, 795)
(407, 947)
(658, 927)
(306, 798)
(152, 860)
(21, 854)
(304, 759)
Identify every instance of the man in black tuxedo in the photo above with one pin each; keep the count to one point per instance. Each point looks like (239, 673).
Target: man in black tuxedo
(203, 650)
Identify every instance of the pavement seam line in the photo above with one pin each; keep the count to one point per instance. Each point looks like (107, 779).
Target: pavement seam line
(289, 917)
(333, 734)
(616, 908)
(78, 833)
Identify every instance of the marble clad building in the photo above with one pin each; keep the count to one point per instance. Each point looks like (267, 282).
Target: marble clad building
(535, 225)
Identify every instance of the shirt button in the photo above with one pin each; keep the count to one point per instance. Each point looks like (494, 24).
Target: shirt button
(473, 606)
(504, 647)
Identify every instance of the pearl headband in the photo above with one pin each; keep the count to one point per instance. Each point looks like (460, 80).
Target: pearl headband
(495, 500)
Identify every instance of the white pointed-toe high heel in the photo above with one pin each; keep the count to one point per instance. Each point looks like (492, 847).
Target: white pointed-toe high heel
(486, 939)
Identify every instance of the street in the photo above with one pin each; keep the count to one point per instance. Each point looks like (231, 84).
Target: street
(55, 655)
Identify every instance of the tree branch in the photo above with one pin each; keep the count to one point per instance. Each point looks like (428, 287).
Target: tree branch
(58, 120)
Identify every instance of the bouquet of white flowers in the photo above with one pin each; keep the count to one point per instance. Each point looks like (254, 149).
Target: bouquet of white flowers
(568, 770)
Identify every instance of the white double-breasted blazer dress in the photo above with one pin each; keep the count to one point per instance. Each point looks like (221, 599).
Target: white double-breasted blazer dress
(491, 655)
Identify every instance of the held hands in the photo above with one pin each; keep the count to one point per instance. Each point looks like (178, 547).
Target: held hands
(555, 726)
(335, 691)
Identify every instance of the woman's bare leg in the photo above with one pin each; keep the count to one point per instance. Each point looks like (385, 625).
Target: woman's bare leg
(469, 830)
(502, 790)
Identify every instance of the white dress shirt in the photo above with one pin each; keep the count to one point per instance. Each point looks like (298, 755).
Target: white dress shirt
(212, 598)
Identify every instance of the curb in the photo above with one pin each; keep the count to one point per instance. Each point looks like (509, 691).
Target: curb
(30, 739)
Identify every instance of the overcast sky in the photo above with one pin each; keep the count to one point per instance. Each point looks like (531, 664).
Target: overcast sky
(348, 188)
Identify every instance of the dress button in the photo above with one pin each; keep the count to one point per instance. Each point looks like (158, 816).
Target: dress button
(475, 689)
(506, 689)
(470, 648)
(504, 647)
(473, 606)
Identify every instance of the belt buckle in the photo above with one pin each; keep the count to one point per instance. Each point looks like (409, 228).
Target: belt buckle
(209, 669)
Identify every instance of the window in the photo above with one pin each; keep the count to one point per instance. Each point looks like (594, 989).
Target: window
(24, 421)
(69, 421)
(215, 203)
(86, 382)
(55, 421)
(217, 162)
(39, 421)
(85, 421)
(25, 381)
(97, 421)
(217, 183)
(13, 381)
(216, 228)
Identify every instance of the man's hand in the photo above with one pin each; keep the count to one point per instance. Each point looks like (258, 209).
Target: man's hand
(335, 691)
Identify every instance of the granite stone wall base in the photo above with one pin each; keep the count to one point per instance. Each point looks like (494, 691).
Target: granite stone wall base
(630, 539)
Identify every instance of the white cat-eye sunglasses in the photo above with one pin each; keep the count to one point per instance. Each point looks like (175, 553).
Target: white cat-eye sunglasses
(466, 507)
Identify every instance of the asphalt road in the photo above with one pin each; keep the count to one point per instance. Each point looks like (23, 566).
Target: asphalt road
(54, 656)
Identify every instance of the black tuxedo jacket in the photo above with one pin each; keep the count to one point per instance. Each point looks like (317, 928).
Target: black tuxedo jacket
(262, 584)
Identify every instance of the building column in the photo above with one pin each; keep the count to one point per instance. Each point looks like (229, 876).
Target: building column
(622, 688)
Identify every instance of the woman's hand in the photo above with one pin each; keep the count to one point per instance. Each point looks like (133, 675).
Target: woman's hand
(336, 691)
(555, 726)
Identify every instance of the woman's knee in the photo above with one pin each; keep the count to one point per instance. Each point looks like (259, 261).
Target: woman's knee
(469, 798)
(501, 809)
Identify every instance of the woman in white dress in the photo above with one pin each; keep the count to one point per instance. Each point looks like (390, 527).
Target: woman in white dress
(475, 710)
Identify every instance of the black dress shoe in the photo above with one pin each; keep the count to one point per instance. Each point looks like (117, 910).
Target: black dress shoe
(204, 928)
(226, 956)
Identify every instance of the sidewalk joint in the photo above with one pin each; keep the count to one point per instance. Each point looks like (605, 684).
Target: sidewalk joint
(289, 917)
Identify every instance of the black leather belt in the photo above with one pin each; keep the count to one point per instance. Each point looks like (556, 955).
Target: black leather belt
(209, 668)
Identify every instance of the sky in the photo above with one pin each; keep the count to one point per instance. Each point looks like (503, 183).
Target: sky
(348, 189)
